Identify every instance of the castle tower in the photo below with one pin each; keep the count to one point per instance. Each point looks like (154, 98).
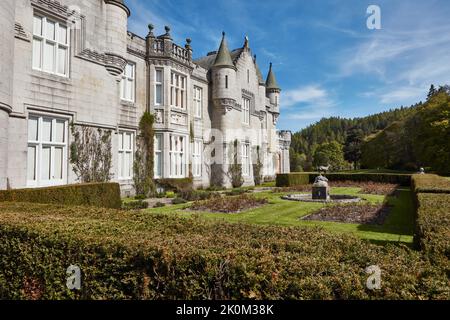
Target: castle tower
(117, 15)
(223, 76)
(273, 90)
(7, 18)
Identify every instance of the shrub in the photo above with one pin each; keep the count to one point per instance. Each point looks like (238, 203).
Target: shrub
(192, 195)
(178, 200)
(296, 178)
(291, 179)
(433, 227)
(159, 205)
(430, 183)
(89, 194)
(176, 185)
(135, 204)
(229, 204)
(124, 255)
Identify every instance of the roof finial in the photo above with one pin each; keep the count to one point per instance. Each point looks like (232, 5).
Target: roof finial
(150, 30)
(246, 42)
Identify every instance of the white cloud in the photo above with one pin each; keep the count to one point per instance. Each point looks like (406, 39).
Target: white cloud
(404, 94)
(309, 95)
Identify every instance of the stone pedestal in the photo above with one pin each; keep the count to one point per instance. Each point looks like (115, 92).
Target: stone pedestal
(320, 189)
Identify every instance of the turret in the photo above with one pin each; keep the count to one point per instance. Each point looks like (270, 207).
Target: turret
(272, 89)
(223, 73)
(117, 15)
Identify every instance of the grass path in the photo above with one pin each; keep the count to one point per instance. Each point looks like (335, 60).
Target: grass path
(398, 226)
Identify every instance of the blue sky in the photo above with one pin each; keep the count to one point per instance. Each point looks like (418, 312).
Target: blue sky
(326, 60)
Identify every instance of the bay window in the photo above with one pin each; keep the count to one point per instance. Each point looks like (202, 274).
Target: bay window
(177, 154)
(158, 87)
(158, 163)
(126, 149)
(47, 151)
(177, 90)
(50, 46)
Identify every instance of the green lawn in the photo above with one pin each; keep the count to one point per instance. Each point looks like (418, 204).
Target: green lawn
(398, 226)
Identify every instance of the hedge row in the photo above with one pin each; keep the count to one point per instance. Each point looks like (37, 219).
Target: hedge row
(300, 178)
(90, 194)
(134, 255)
(432, 234)
(430, 183)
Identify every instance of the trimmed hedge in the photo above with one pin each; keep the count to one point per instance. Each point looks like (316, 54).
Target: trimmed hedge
(177, 185)
(90, 194)
(291, 179)
(433, 227)
(430, 183)
(301, 178)
(135, 255)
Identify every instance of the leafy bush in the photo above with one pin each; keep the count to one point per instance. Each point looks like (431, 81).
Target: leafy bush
(176, 185)
(135, 255)
(292, 179)
(433, 227)
(135, 204)
(159, 205)
(430, 183)
(193, 195)
(103, 194)
(178, 200)
(229, 204)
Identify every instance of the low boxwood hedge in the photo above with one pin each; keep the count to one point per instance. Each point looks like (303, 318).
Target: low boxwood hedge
(90, 194)
(135, 255)
(300, 178)
(291, 179)
(430, 183)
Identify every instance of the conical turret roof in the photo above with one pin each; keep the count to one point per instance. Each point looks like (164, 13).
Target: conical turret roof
(223, 57)
(271, 82)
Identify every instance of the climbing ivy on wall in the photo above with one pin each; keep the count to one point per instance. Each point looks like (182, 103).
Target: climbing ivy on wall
(144, 157)
(235, 169)
(90, 153)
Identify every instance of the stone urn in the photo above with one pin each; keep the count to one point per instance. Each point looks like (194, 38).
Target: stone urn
(320, 189)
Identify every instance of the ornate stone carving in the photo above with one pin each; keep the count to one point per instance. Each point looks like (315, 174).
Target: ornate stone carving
(178, 118)
(159, 116)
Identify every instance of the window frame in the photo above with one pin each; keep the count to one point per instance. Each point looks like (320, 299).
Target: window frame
(124, 82)
(159, 152)
(43, 39)
(122, 150)
(246, 103)
(198, 102)
(178, 85)
(177, 158)
(160, 84)
(197, 165)
(245, 158)
(39, 144)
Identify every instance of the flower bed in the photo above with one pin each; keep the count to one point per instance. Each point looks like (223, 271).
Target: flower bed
(229, 204)
(364, 214)
(367, 187)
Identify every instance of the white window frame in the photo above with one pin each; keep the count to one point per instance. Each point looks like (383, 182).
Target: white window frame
(245, 158)
(123, 151)
(177, 156)
(158, 153)
(126, 80)
(159, 85)
(40, 144)
(43, 39)
(197, 149)
(178, 84)
(246, 110)
(198, 101)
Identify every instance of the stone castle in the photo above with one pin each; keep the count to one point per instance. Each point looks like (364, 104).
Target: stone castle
(69, 61)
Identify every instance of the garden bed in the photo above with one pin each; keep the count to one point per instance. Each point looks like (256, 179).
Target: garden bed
(228, 204)
(362, 214)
